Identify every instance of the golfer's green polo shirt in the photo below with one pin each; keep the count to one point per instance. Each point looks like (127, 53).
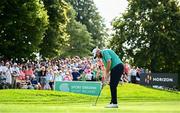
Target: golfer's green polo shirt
(108, 54)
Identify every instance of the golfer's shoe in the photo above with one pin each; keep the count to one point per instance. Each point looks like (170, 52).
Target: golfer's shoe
(112, 106)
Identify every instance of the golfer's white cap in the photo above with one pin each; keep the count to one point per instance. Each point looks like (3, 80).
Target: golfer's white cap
(95, 50)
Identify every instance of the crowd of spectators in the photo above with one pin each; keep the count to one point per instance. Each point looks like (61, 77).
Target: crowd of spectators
(132, 73)
(42, 75)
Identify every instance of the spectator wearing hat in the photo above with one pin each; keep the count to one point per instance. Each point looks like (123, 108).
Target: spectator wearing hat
(75, 74)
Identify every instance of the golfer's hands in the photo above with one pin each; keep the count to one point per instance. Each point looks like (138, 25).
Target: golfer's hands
(106, 79)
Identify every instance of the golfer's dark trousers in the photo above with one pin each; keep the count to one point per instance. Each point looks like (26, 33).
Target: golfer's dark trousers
(116, 73)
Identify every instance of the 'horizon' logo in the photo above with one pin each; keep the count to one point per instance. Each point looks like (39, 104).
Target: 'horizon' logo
(163, 79)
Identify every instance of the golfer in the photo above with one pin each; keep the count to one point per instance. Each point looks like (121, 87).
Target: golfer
(114, 70)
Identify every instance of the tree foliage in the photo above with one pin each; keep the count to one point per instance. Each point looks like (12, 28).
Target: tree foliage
(22, 27)
(88, 15)
(80, 40)
(55, 36)
(149, 32)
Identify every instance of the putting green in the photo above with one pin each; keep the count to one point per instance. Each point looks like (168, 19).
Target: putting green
(132, 99)
(124, 107)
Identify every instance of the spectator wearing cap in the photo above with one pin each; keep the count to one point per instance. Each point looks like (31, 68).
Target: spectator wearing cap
(15, 69)
(75, 74)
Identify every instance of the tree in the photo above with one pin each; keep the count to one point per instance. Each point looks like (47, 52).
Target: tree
(149, 33)
(88, 15)
(22, 27)
(80, 40)
(56, 36)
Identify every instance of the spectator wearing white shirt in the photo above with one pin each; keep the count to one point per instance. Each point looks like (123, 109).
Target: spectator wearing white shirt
(59, 76)
(133, 74)
(6, 70)
(50, 78)
(15, 73)
(15, 70)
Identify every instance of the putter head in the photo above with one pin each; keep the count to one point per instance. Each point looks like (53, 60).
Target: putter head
(104, 83)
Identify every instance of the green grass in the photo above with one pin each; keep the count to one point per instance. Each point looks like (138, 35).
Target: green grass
(124, 107)
(131, 98)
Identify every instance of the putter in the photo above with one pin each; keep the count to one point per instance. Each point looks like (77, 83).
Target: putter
(99, 94)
